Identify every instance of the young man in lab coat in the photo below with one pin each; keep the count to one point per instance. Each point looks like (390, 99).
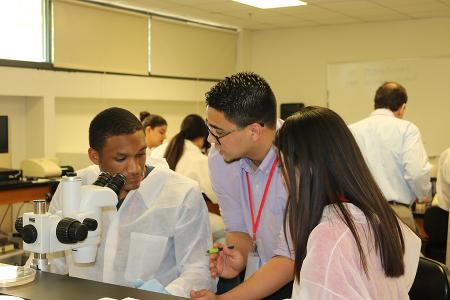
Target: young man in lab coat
(157, 235)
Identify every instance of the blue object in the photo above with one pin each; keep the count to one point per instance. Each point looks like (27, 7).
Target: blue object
(151, 285)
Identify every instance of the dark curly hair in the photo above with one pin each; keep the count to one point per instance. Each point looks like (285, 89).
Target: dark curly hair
(111, 122)
(244, 98)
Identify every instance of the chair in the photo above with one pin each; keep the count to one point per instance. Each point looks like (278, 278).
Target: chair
(431, 282)
(435, 224)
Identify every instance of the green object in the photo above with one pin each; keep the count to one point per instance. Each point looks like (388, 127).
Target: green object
(213, 250)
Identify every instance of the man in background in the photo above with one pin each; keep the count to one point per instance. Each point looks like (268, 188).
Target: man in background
(393, 150)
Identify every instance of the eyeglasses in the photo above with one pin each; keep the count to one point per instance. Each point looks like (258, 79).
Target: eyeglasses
(218, 137)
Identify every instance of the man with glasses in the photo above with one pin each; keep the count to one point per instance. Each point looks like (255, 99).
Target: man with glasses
(241, 119)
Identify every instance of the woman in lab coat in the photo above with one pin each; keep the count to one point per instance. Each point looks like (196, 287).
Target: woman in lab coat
(347, 241)
(184, 153)
(155, 128)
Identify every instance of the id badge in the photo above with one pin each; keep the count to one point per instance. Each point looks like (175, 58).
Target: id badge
(253, 264)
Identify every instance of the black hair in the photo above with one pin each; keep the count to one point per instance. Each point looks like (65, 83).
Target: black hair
(244, 98)
(151, 120)
(192, 127)
(322, 165)
(111, 122)
(390, 95)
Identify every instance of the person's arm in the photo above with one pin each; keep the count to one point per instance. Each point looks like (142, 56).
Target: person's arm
(225, 180)
(241, 241)
(276, 273)
(264, 282)
(191, 240)
(415, 162)
(230, 262)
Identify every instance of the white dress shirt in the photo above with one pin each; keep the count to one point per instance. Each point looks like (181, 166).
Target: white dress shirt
(394, 153)
(443, 181)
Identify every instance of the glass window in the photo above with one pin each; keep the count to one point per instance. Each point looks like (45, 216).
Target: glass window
(22, 30)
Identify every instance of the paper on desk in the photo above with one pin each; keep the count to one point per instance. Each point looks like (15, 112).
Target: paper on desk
(107, 298)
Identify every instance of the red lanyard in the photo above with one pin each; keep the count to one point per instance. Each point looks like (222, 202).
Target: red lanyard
(263, 200)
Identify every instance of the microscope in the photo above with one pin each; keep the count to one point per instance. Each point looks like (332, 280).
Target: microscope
(77, 227)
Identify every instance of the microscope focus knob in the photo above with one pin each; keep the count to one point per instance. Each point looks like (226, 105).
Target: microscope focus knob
(91, 224)
(71, 231)
(29, 234)
(19, 224)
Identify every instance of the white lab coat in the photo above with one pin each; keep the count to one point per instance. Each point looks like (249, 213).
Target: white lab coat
(193, 164)
(160, 232)
(332, 268)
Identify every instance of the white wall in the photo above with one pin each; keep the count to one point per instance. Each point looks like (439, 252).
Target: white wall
(74, 115)
(294, 61)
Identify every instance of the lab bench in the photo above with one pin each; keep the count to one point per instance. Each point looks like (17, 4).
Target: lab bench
(48, 286)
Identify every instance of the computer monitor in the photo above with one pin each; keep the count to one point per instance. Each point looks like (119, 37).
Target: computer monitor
(3, 134)
(288, 109)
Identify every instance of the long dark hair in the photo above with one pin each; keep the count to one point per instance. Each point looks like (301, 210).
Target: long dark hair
(192, 127)
(322, 165)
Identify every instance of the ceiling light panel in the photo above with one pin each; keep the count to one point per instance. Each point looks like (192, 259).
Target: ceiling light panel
(265, 4)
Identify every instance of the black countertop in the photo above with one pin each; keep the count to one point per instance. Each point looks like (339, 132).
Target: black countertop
(18, 184)
(48, 286)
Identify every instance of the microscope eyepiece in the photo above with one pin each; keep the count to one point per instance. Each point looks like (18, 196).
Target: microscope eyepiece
(103, 179)
(116, 183)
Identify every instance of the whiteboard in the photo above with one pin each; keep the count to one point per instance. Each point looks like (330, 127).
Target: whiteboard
(352, 87)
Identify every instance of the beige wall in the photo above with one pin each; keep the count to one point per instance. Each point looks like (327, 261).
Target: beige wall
(294, 61)
(50, 111)
(74, 115)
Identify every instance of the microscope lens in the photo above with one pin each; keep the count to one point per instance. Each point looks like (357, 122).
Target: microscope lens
(103, 179)
(116, 183)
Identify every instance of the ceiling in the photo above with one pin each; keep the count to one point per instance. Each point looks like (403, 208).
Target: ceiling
(316, 13)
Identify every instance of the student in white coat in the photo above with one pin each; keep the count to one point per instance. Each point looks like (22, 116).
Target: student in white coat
(158, 233)
(184, 155)
(345, 237)
(155, 129)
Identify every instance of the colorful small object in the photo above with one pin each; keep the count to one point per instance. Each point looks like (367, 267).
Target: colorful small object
(217, 249)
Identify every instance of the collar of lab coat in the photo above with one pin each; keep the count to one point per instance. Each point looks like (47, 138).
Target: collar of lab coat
(331, 211)
(190, 146)
(382, 112)
(152, 184)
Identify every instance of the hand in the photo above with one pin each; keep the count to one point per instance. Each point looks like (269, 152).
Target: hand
(228, 263)
(203, 295)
